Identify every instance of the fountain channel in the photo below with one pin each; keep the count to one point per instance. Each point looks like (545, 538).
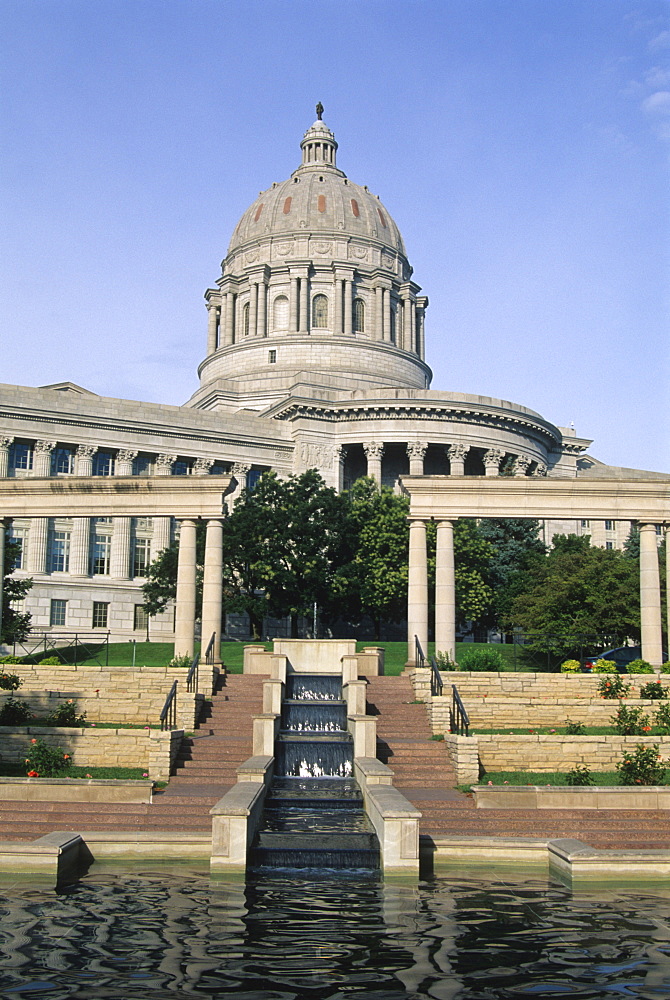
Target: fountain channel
(314, 816)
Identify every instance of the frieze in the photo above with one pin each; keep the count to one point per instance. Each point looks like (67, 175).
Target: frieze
(322, 248)
(284, 249)
(359, 253)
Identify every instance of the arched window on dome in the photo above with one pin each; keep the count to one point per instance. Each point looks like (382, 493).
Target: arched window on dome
(319, 312)
(280, 313)
(359, 316)
(245, 320)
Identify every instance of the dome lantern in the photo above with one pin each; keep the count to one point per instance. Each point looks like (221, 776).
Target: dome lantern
(318, 145)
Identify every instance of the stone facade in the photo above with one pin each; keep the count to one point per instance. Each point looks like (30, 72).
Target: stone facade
(315, 358)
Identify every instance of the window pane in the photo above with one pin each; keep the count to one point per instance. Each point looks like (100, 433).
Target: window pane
(140, 617)
(59, 559)
(319, 312)
(21, 456)
(100, 555)
(103, 463)
(62, 460)
(359, 316)
(142, 557)
(58, 610)
(100, 614)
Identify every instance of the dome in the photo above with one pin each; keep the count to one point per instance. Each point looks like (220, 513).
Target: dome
(318, 198)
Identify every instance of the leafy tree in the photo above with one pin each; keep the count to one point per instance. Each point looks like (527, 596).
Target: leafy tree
(578, 589)
(516, 548)
(15, 624)
(161, 584)
(472, 555)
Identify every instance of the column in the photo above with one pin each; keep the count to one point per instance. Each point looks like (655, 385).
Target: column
(37, 545)
(124, 463)
(387, 313)
(119, 563)
(211, 328)
(3, 526)
(416, 451)
(413, 346)
(83, 462)
(201, 466)
(293, 305)
(374, 452)
(417, 589)
(457, 454)
(338, 285)
(650, 597)
(540, 469)
(262, 317)
(304, 305)
(162, 532)
(80, 541)
(379, 313)
(230, 319)
(184, 629)
(445, 590)
(5, 444)
(339, 456)
(42, 459)
(521, 465)
(407, 325)
(348, 307)
(667, 587)
(253, 308)
(212, 587)
(492, 459)
(239, 471)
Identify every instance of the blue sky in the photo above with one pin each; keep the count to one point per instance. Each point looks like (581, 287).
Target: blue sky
(521, 145)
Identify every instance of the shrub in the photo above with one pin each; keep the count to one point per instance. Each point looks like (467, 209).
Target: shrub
(662, 718)
(665, 667)
(603, 666)
(612, 686)
(640, 667)
(15, 713)
(653, 690)
(444, 661)
(630, 721)
(574, 728)
(10, 659)
(10, 682)
(643, 767)
(45, 761)
(50, 661)
(66, 715)
(482, 658)
(570, 666)
(579, 775)
(184, 660)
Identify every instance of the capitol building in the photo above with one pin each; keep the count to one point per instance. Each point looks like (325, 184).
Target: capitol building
(315, 358)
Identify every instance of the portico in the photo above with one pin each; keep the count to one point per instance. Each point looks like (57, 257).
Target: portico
(444, 499)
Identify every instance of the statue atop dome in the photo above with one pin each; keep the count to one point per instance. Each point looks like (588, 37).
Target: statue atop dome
(319, 111)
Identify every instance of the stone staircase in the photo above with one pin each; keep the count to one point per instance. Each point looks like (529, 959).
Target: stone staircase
(424, 773)
(205, 769)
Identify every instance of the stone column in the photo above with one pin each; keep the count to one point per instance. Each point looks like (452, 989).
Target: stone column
(230, 319)
(417, 589)
(407, 324)
(42, 459)
(338, 285)
(445, 590)
(416, 451)
(540, 469)
(521, 465)
(379, 313)
(83, 463)
(374, 452)
(80, 541)
(201, 466)
(184, 629)
(253, 308)
(348, 307)
(3, 526)
(119, 562)
(667, 586)
(387, 314)
(239, 471)
(338, 467)
(124, 463)
(293, 305)
(212, 587)
(211, 328)
(492, 459)
(37, 545)
(162, 532)
(650, 597)
(304, 325)
(262, 319)
(457, 454)
(5, 444)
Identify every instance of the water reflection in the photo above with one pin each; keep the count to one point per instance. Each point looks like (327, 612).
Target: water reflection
(117, 934)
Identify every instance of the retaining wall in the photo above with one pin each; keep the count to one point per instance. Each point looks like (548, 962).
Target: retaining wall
(559, 753)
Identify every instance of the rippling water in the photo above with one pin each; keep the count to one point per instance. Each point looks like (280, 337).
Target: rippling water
(127, 935)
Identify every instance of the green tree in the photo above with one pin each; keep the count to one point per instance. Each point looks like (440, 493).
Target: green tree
(15, 624)
(578, 589)
(161, 583)
(516, 548)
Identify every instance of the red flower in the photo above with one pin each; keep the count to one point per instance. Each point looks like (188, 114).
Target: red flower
(33, 774)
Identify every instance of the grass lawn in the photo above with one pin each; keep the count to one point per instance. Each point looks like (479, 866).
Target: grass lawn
(549, 778)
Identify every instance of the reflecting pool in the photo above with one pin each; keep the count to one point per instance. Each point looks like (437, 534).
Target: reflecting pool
(153, 934)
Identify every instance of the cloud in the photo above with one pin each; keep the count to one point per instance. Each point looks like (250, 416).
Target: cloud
(660, 41)
(657, 77)
(657, 104)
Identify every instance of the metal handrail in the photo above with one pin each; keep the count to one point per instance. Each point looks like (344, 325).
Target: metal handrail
(192, 675)
(168, 717)
(435, 679)
(419, 657)
(458, 717)
(209, 652)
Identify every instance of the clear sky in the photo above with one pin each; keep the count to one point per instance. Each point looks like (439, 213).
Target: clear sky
(521, 145)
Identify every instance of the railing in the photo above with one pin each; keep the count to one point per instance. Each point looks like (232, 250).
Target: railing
(209, 652)
(192, 675)
(168, 716)
(70, 647)
(458, 718)
(419, 657)
(435, 679)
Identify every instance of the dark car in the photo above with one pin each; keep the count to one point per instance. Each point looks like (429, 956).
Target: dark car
(621, 656)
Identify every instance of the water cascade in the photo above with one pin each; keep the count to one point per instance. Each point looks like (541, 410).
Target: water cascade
(314, 816)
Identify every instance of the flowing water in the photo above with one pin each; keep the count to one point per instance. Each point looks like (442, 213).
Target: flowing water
(116, 935)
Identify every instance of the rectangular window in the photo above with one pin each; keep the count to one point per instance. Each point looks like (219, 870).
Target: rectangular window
(58, 611)
(659, 529)
(142, 556)
(585, 524)
(100, 609)
(253, 475)
(21, 456)
(59, 557)
(272, 357)
(609, 525)
(100, 555)
(103, 463)
(19, 536)
(609, 545)
(182, 468)
(140, 618)
(62, 461)
(142, 465)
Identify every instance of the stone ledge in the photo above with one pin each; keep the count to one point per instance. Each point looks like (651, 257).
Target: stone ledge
(571, 797)
(75, 790)
(51, 855)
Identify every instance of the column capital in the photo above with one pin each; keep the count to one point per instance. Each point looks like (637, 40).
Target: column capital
(540, 469)
(239, 469)
(45, 447)
(164, 463)
(373, 449)
(6, 442)
(457, 451)
(125, 455)
(521, 465)
(86, 450)
(417, 449)
(201, 466)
